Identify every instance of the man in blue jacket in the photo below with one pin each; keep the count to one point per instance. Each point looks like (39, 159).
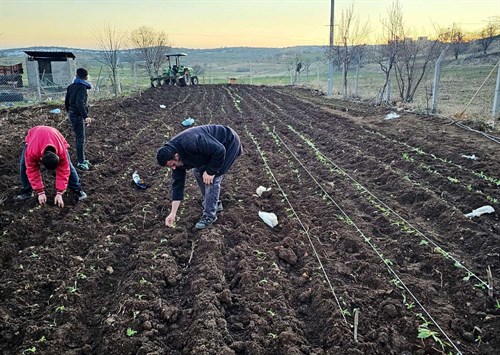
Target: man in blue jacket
(77, 107)
(210, 151)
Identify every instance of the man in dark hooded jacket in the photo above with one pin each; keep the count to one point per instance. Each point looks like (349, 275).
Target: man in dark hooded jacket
(211, 150)
(77, 108)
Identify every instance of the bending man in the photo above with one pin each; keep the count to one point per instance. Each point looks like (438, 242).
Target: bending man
(46, 145)
(210, 151)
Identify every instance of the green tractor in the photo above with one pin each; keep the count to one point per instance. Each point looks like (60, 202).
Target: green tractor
(175, 73)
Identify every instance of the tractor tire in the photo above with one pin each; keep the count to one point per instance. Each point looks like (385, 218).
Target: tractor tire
(187, 79)
(181, 81)
(194, 80)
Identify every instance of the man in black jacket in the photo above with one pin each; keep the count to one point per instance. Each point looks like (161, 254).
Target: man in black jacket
(77, 108)
(211, 150)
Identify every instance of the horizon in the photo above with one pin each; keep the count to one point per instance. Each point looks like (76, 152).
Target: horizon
(219, 24)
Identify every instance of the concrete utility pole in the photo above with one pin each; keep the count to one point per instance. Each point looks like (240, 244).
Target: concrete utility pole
(330, 52)
(496, 99)
(437, 76)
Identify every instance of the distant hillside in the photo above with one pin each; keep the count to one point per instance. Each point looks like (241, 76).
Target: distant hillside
(227, 54)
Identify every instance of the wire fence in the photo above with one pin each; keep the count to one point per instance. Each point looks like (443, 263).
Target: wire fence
(459, 84)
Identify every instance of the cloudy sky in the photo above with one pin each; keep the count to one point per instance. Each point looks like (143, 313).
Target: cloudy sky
(221, 23)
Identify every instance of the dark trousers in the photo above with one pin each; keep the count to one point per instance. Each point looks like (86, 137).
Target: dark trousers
(78, 125)
(73, 183)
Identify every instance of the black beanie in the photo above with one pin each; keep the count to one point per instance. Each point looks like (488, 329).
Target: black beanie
(165, 153)
(82, 73)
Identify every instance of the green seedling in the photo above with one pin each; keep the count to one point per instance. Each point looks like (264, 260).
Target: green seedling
(492, 199)
(346, 312)
(143, 281)
(407, 304)
(29, 350)
(81, 276)
(407, 157)
(272, 335)
(497, 305)
(388, 262)
(423, 242)
(131, 332)
(42, 339)
(453, 180)
(481, 285)
(135, 314)
(140, 296)
(396, 283)
(469, 187)
(260, 254)
(34, 255)
(271, 313)
(424, 333)
(72, 289)
(263, 281)
(468, 276)
(445, 254)
(163, 240)
(60, 309)
(458, 265)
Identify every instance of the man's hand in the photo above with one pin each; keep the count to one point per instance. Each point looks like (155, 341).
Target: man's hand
(42, 198)
(208, 179)
(170, 220)
(58, 200)
(88, 120)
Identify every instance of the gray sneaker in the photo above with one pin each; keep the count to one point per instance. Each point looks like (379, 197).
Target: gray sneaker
(81, 195)
(204, 222)
(219, 207)
(23, 196)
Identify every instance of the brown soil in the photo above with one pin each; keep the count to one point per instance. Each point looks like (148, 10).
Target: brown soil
(73, 280)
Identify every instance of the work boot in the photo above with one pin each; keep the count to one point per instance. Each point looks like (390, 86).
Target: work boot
(83, 166)
(23, 196)
(204, 222)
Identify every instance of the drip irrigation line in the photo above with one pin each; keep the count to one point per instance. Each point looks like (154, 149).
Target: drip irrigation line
(408, 223)
(367, 240)
(303, 226)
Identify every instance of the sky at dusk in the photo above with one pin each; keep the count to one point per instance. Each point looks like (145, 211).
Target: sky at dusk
(221, 23)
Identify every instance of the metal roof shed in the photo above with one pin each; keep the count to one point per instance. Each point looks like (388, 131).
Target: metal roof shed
(52, 68)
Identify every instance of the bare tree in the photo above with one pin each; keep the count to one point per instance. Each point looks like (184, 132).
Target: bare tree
(412, 62)
(111, 41)
(151, 46)
(456, 37)
(386, 54)
(350, 36)
(488, 34)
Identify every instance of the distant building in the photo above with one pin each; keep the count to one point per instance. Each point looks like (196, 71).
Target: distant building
(52, 68)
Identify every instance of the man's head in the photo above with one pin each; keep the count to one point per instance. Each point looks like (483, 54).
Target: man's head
(82, 73)
(50, 159)
(168, 156)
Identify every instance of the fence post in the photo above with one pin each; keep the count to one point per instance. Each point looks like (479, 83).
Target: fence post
(437, 76)
(39, 93)
(496, 99)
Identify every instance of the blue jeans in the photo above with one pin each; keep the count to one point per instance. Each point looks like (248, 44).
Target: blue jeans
(78, 125)
(73, 183)
(210, 193)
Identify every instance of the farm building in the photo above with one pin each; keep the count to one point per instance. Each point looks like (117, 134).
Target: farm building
(11, 75)
(52, 68)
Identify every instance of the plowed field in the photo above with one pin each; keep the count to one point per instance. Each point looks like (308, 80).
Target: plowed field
(372, 246)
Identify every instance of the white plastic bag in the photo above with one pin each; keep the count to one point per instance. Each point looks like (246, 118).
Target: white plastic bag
(479, 211)
(269, 218)
(261, 189)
